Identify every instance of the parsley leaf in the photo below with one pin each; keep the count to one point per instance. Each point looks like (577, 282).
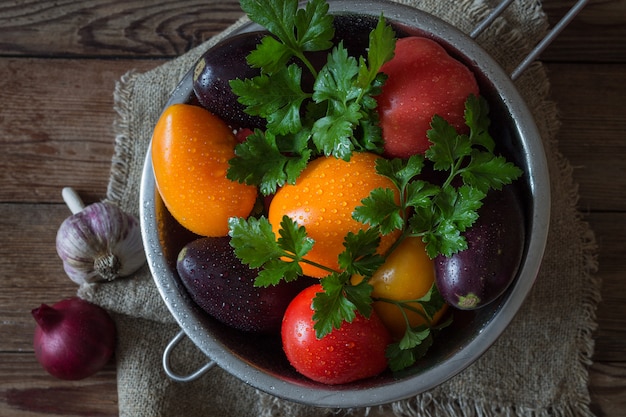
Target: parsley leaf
(293, 239)
(360, 296)
(254, 241)
(487, 171)
(360, 256)
(382, 41)
(380, 209)
(271, 55)
(477, 118)
(299, 30)
(332, 134)
(447, 146)
(419, 194)
(399, 171)
(260, 161)
(276, 270)
(331, 306)
(255, 244)
(276, 97)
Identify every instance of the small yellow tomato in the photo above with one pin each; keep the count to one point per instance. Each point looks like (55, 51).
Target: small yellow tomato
(407, 274)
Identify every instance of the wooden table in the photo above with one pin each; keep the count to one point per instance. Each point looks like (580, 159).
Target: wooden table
(59, 61)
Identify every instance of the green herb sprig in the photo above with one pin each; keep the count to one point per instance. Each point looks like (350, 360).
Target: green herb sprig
(439, 214)
(337, 117)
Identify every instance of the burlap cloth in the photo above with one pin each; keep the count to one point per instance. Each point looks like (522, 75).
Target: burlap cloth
(537, 368)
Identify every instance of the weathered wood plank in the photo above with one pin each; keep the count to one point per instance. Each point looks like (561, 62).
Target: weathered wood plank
(26, 390)
(607, 385)
(118, 28)
(597, 34)
(112, 27)
(610, 231)
(591, 100)
(32, 273)
(56, 125)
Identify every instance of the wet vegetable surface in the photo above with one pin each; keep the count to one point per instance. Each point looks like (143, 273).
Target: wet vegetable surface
(481, 273)
(222, 286)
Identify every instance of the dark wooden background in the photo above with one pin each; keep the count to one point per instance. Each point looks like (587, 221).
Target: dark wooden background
(59, 61)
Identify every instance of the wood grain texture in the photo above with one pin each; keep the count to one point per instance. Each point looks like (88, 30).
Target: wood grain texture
(598, 34)
(27, 391)
(610, 230)
(607, 387)
(56, 126)
(111, 28)
(591, 99)
(59, 62)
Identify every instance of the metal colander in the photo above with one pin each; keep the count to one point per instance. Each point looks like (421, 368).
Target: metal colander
(259, 361)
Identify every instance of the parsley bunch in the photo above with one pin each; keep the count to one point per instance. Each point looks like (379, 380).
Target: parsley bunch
(336, 118)
(438, 213)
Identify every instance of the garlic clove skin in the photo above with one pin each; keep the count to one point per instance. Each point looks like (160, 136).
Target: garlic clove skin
(100, 243)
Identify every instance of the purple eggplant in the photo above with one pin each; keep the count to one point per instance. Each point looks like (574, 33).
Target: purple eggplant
(223, 287)
(480, 274)
(213, 72)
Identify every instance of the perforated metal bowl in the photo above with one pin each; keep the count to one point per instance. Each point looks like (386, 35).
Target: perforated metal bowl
(258, 360)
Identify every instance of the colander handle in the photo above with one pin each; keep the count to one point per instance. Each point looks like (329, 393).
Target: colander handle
(168, 368)
(542, 45)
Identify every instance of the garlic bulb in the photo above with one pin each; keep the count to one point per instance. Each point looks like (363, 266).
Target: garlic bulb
(99, 242)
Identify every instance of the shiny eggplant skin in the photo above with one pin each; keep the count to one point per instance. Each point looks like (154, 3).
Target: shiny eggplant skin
(480, 274)
(212, 74)
(223, 287)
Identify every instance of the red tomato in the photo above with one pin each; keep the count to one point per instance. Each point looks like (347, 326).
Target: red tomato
(423, 80)
(353, 352)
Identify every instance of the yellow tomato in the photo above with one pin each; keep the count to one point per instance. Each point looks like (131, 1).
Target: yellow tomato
(191, 148)
(407, 274)
(323, 200)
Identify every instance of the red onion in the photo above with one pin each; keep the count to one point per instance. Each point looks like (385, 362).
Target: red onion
(73, 339)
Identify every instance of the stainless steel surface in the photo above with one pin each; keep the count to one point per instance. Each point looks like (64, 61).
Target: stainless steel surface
(171, 373)
(258, 361)
(487, 21)
(541, 46)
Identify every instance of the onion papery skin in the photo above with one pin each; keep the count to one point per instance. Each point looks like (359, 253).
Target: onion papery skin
(73, 339)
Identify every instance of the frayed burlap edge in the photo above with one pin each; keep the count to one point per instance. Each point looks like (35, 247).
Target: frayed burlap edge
(119, 163)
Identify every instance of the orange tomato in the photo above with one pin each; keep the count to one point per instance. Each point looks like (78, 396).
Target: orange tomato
(407, 274)
(323, 200)
(190, 152)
